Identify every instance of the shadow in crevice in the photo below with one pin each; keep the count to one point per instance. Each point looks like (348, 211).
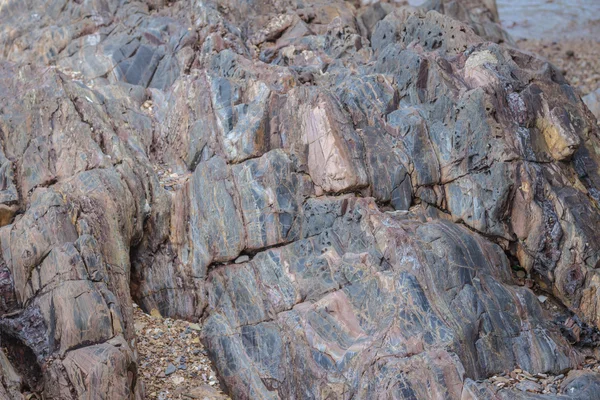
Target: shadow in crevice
(23, 361)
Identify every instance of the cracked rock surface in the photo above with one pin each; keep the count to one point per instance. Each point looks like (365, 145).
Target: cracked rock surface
(351, 202)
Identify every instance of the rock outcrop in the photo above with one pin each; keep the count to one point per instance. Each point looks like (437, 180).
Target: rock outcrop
(338, 194)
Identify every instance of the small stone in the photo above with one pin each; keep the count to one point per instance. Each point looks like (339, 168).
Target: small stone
(177, 380)
(195, 327)
(499, 379)
(242, 259)
(170, 369)
(529, 283)
(139, 326)
(570, 53)
(521, 274)
(528, 386)
(542, 299)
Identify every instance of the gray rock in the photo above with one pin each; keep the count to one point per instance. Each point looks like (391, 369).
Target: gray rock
(242, 259)
(170, 369)
(528, 386)
(376, 167)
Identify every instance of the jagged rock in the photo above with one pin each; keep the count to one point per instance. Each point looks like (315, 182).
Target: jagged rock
(346, 300)
(336, 195)
(482, 15)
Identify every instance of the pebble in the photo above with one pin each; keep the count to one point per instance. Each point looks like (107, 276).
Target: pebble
(528, 386)
(242, 259)
(542, 299)
(170, 369)
(500, 379)
(195, 327)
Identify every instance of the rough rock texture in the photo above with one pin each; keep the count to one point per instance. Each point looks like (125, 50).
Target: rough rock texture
(348, 192)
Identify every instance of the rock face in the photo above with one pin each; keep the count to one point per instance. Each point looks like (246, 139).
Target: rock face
(338, 194)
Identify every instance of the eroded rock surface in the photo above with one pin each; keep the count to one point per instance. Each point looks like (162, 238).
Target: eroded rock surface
(338, 194)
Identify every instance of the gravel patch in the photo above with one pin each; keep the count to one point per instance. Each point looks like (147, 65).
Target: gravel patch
(172, 361)
(522, 380)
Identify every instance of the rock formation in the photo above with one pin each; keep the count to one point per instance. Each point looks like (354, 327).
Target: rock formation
(339, 194)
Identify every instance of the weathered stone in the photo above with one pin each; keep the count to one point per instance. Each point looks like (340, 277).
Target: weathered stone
(335, 192)
(271, 194)
(325, 302)
(170, 369)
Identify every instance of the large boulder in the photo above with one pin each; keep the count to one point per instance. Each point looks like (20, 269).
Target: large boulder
(340, 195)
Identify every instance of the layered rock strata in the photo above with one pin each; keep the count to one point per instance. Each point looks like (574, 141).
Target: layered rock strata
(349, 191)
